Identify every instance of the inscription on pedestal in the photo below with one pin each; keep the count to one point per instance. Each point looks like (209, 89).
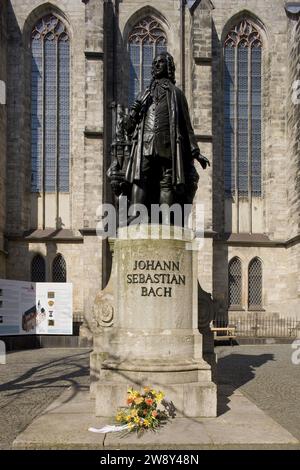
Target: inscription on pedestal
(159, 278)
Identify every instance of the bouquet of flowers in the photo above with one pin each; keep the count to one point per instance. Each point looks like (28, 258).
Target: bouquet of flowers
(142, 412)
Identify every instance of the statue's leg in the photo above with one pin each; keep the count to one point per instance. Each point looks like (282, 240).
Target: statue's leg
(138, 196)
(167, 195)
(139, 192)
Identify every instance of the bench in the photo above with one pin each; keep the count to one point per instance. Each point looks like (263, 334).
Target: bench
(224, 333)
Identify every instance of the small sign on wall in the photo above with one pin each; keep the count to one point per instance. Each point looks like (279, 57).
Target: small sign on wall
(2, 92)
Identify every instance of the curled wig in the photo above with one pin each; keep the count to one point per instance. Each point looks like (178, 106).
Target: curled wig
(170, 66)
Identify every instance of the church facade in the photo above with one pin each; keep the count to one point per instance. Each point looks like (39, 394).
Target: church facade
(65, 64)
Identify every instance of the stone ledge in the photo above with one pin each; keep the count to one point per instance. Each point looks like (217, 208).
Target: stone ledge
(94, 55)
(204, 138)
(93, 132)
(254, 239)
(49, 234)
(203, 60)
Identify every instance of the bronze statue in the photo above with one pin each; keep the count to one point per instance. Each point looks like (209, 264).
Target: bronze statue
(160, 167)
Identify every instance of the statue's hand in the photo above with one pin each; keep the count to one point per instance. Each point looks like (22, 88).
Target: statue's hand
(136, 107)
(129, 124)
(204, 162)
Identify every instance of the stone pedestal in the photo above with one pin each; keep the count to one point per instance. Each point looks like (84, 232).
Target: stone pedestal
(154, 339)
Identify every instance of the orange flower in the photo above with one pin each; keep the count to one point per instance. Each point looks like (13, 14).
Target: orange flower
(154, 413)
(129, 400)
(148, 401)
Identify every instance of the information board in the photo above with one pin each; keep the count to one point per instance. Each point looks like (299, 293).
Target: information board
(28, 308)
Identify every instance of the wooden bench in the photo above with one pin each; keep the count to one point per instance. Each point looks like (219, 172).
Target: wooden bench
(224, 333)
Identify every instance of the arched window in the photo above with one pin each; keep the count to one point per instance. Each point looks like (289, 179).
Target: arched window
(59, 269)
(242, 110)
(146, 40)
(255, 284)
(235, 283)
(38, 269)
(50, 103)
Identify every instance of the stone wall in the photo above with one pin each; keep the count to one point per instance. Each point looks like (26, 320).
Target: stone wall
(280, 289)
(272, 213)
(293, 124)
(22, 17)
(100, 73)
(293, 161)
(270, 19)
(3, 114)
(83, 259)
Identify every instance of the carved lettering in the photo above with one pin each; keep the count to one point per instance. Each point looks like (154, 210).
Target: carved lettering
(153, 265)
(156, 292)
(173, 277)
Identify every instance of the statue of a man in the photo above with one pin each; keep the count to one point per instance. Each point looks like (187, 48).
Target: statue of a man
(161, 164)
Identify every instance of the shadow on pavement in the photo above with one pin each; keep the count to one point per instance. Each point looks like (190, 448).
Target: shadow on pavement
(233, 371)
(67, 370)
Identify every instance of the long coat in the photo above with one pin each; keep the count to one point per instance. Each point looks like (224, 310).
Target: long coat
(183, 140)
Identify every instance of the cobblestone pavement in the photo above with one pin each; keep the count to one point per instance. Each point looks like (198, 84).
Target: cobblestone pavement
(267, 376)
(31, 380)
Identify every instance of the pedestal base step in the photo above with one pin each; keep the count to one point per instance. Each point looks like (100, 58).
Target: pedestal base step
(240, 424)
(192, 400)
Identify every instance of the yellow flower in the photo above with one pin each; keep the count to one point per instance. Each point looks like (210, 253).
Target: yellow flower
(136, 420)
(146, 389)
(131, 425)
(133, 412)
(146, 423)
(159, 396)
(132, 393)
(138, 400)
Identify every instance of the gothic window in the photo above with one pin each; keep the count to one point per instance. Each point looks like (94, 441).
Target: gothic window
(235, 283)
(255, 284)
(145, 41)
(242, 110)
(59, 269)
(50, 103)
(38, 269)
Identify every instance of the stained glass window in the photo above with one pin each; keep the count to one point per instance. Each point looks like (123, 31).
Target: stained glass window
(50, 106)
(145, 41)
(235, 282)
(255, 284)
(242, 110)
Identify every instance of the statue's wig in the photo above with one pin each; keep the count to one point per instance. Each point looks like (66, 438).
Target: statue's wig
(170, 66)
